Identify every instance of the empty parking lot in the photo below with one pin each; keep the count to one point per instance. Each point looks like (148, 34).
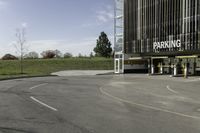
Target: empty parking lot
(100, 104)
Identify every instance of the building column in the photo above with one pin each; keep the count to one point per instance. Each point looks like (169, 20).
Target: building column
(186, 69)
(161, 68)
(195, 65)
(170, 66)
(149, 66)
(175, 70)
(152, 67)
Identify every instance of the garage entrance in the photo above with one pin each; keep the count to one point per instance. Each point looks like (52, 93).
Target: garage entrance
(158, 63)
(176, 66)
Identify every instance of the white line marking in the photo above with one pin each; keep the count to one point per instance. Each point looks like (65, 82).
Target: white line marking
(36, 86)
(36, 100)
(168, 87)
(147, 106)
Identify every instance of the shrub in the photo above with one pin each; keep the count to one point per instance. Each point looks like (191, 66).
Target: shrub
(67, 55)
(58, 54)
(32, 55)
(48, 54)
(9, 57)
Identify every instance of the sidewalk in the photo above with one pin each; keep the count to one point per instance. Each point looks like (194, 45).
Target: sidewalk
(165, 77)
(82, 72)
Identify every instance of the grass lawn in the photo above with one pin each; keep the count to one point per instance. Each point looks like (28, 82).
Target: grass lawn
(39, 67)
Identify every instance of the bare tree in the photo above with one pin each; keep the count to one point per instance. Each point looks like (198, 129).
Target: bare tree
(20, 45)
(31, 55)
(58, 54)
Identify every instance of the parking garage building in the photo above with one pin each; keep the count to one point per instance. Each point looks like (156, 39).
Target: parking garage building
(157, 36)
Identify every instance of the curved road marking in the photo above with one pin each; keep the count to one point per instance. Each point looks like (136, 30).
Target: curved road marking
(36, 100)
(168, 87)
(147, 106)
(36, 86)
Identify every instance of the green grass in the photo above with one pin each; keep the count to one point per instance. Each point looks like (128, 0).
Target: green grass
(41, 67)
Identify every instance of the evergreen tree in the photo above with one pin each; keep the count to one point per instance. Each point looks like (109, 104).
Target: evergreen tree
(103, 47)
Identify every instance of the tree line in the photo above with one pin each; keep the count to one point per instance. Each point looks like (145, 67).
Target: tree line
(48, 54)
(103, 49)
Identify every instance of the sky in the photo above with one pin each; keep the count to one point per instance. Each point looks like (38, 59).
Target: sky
(67, 25)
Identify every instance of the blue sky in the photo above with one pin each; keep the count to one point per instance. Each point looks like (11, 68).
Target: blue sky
(67, 25)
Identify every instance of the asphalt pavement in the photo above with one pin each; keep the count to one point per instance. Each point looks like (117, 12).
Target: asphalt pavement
(100, 104)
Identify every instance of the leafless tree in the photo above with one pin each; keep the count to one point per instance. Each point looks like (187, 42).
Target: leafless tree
(58, 54)
(31, 55)
(20, 45)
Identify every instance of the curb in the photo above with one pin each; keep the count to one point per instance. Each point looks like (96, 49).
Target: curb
(109, 73)
(12, 78)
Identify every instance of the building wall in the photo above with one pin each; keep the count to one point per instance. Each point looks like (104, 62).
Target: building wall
(150, 21)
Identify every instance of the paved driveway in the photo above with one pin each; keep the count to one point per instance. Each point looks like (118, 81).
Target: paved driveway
(100, 104)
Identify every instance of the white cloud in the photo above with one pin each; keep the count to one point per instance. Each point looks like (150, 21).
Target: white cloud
(24, 25)
(86, 25)
(102, 15)
(84, 46)
(7, 48)
(102, 18)
(106, 14)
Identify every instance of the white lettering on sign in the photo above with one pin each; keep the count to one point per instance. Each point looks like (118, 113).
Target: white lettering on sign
(166, 45)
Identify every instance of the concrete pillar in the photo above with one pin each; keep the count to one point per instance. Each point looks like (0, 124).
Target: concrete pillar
(149, 66)
(170, 66)
(186, 70)
(161, 68)
(152, 67)
(191, 69)
(175, 70)
(195, 65)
